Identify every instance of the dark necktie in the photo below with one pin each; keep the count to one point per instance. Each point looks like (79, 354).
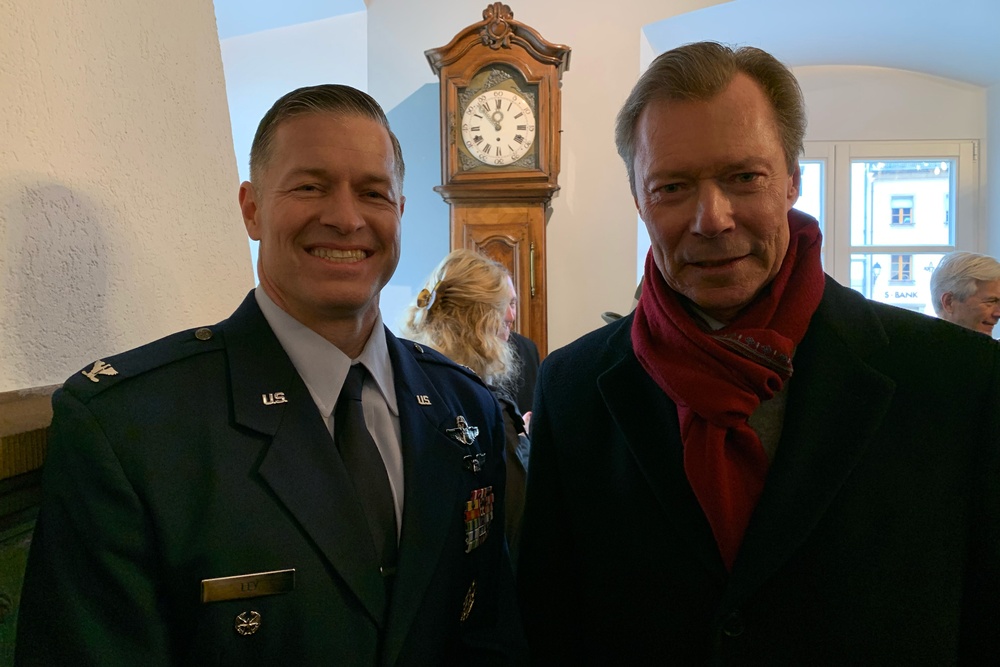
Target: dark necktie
(365, 466)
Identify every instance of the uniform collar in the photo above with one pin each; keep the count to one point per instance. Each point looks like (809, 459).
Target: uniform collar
(321, 364)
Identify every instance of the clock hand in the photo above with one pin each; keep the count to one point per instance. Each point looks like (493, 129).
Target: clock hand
(495, 118)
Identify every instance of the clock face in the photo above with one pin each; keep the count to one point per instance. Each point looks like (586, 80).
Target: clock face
(498, 127)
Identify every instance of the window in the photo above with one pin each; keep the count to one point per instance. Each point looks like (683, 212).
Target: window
(902, 211)
(901, 268)
(812, 194)
(868, 197)
(810, 200)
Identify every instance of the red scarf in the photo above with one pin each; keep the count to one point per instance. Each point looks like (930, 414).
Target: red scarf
(718, 378)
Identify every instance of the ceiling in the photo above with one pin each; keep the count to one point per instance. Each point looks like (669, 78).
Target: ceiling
(242, 17)
(955, 39)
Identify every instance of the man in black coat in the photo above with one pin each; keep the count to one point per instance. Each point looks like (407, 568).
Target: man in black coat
(527, 355)
(758, 466)
(292, 486)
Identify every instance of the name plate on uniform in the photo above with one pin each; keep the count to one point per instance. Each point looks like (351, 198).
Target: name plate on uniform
(247, 585)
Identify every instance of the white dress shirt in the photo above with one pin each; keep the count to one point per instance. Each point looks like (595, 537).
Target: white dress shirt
(323, 368)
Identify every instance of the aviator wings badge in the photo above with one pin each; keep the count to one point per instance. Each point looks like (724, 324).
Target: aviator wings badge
(462, 432)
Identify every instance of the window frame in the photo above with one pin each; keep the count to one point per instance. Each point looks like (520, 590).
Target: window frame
(905, 274)
(836, 173)
(905, 213)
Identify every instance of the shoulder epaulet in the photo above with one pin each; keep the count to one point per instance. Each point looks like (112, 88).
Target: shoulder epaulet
(111, 371)
(426, 354)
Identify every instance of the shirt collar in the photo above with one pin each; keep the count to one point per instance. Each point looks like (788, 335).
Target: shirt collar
(321, 364)
(710, 321)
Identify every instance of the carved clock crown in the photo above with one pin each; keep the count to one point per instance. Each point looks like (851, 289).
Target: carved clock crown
(498, 30)
(496, 33)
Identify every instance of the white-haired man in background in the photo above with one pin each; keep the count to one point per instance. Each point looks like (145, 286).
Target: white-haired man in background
(965, 288)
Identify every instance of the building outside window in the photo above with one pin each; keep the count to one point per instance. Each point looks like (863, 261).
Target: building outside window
(902, 211)
(890, 210)
(901, 269)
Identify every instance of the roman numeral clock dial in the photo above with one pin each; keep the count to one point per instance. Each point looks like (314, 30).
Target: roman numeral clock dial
(498, 127)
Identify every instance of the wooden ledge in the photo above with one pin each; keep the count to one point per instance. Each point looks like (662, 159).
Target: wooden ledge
(25, 415)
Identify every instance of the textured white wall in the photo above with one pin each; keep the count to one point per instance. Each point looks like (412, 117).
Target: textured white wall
(118, 215)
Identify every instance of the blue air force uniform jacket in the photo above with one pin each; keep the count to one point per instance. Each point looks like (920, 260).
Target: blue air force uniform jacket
(203, 456)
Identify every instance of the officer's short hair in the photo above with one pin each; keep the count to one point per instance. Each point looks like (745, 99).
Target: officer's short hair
(330, 98)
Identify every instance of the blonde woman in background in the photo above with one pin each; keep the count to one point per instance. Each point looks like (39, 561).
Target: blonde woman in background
(465, 311)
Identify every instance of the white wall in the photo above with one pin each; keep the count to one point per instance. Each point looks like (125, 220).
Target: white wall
(991, 158)
(263, 66)
(117, 219)
(877, 103)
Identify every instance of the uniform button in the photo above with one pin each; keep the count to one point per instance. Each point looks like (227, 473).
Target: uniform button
(203, 333)
(416, 346)
(247, 623)
(733, 626)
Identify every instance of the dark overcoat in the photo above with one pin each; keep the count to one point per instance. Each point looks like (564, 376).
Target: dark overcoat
(876, 540)
(527, 354)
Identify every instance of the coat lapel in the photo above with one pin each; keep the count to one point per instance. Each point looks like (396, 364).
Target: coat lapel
(835, 405)
(648, 421)
(300, 465)
(432, 465)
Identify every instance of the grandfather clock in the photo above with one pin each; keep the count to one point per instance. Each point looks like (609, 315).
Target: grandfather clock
(500, 126)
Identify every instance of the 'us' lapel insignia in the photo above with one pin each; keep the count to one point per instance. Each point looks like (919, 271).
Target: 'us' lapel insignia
(423, 399)
(274, 399)
(100, 368)
(462, 432)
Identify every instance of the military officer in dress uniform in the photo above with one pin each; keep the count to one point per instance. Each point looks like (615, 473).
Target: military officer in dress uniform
(293, 485)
